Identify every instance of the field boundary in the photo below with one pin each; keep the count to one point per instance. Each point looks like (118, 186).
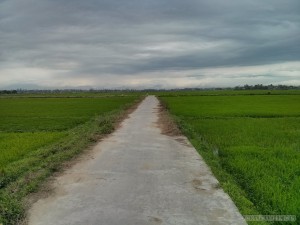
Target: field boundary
(166, 123)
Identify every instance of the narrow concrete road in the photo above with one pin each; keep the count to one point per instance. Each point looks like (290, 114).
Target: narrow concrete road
(138, 176)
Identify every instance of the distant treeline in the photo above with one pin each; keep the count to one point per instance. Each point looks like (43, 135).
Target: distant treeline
(245, 87)
(267, 87)
(8, 92)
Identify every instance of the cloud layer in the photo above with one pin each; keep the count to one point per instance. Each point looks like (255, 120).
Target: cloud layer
(148, 43)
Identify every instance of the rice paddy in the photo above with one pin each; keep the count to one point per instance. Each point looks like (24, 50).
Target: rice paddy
(252, 143)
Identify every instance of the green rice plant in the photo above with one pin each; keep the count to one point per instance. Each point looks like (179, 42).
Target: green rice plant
(53, 114)
(252, 144)
(235, 106)
(14, 146)
(263, 155)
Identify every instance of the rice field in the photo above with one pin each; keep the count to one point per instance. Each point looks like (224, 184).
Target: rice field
(53, 114)
(29, 123)
(252, 144)
(15, 146)
(250, 139)
(37, 134)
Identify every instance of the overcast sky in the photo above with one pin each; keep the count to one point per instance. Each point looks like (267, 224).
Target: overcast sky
(148, 43)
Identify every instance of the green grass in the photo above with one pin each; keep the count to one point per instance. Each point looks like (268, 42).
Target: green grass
(53, 114)
(233, 106)
(252, 144)
(15, 146)
(38, 134)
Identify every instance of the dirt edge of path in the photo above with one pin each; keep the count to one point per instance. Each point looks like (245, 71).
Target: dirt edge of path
(165, 121)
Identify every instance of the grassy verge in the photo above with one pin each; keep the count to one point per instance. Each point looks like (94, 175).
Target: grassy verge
(227, 181)
(24, 176)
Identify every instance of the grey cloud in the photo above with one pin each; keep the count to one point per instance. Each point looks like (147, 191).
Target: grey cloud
(94, 38)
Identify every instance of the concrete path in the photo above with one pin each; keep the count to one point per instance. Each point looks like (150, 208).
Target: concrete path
(137, 176)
